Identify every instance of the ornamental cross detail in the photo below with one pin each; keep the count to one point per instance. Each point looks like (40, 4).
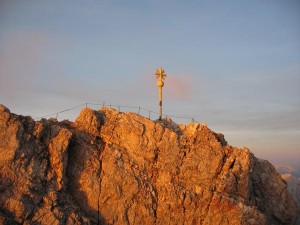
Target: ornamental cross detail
(160, 75)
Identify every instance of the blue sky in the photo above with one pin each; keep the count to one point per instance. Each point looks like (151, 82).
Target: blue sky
(234, 64)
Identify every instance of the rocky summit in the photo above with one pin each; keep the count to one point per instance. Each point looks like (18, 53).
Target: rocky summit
(110, 167)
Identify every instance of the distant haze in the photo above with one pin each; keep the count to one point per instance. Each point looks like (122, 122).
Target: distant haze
(234, 64)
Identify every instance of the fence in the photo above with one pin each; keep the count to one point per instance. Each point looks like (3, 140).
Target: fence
(121, 108)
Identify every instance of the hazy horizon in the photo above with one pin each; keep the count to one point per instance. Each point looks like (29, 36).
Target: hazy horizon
(233, 64)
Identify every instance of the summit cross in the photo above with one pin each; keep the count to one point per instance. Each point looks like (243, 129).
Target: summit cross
(160, 75)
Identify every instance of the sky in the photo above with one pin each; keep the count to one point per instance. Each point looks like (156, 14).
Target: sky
(234, 64)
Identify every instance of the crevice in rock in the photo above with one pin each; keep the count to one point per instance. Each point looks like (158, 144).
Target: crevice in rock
(232, 164)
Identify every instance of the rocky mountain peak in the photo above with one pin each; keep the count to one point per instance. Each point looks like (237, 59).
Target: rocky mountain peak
(110, 167)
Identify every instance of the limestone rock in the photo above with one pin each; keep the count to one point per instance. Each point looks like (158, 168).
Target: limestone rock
(110, 167)
(58, 147)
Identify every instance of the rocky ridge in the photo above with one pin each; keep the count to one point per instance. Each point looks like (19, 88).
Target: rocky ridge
(109, 167)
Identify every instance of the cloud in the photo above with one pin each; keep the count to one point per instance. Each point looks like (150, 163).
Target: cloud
(179, 87)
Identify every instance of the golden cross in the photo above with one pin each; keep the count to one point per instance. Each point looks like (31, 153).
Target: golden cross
(160, 74)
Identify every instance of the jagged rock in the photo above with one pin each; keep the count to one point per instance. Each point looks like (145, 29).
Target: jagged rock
(58, 147)
(32, 172)
(120, 168)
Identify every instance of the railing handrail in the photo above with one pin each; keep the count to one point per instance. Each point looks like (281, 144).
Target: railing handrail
(86, 104)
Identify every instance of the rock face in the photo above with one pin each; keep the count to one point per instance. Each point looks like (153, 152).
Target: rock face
(120, 168)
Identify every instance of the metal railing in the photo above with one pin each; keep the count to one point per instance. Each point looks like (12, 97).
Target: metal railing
(121, 108)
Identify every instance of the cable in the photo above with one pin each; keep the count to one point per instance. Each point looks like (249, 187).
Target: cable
(119, 109)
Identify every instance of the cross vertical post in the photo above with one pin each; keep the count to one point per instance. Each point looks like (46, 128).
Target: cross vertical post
(160, 75)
